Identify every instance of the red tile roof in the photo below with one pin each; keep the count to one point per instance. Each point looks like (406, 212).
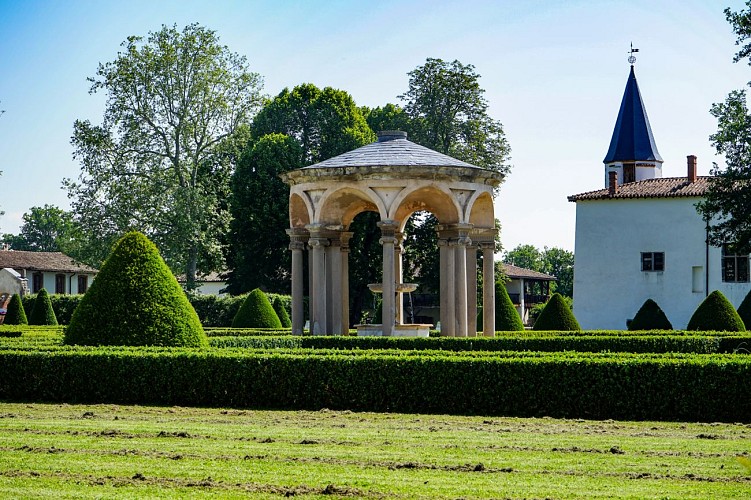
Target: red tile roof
(666, 187)
(519, 272)
(42, 261)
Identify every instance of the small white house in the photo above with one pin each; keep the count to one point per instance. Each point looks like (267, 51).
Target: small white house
(28, 272)
(641, 237)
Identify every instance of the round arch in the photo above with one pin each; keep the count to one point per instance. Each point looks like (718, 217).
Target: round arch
(433, 199)
(481, 212)
(300, 211)
(341, 205)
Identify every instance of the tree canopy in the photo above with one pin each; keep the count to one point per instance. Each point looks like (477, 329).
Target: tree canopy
(153, 164)
(553, 261)
(44, 229)
(727, 203)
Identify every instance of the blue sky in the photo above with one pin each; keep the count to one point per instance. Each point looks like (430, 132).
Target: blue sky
(553, 71)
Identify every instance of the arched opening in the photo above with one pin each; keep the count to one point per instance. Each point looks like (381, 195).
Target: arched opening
(299, 212)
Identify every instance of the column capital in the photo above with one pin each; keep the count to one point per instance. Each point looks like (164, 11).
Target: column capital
(486, 245)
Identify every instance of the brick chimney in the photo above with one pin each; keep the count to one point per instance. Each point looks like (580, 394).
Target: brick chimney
(691, 168)
(612, 182)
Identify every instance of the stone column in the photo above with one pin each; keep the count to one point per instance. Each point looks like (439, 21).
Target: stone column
(388, 240)
(398, 276)
(333, 287)
(472, 290)
(344, 239)
(318, 320)
(448, 304)
(460, 268)
(488, 289)
(297, 245)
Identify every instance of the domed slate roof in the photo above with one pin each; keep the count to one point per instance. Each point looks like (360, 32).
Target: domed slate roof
(392, 149)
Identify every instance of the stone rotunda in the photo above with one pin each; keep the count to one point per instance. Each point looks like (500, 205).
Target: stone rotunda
(395, 178)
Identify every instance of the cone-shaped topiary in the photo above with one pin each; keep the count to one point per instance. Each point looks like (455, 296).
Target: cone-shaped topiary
(556, 316)
(42, 313)
(256, 312)
(135, 300)
(650, 317)
(744, 310)
(507, 319)
(281, 312)
(716, 313)
(15, 314)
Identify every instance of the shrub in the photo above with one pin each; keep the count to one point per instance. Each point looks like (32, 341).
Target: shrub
(507, 318)
(281, 312)
(214, 310)
(15, 314)
(135, 300)
(42, 313)
(256, 312)
(716, 313)
(650, 317)
(744, 310)
(557, 316)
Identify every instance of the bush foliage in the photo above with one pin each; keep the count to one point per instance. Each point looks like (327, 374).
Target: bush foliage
(650, 317)
(15, 314)
(256, 312)
(42, 312)
(281, 312)
(744, 310)
(716, 313)
(507, 318)
(557, 316)
(135, 300)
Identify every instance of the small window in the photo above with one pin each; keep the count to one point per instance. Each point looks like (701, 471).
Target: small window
(629, 172)
(59, 283)
(734, 266)
(83, 284)
(36, 282)
(653, 261)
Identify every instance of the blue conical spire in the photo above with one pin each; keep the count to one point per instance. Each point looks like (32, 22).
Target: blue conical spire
(632, 137)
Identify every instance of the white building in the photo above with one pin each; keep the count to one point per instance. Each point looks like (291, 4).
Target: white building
(641, 237)
(23, 272)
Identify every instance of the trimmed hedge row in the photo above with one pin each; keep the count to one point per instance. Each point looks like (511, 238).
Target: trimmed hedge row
(689, 388)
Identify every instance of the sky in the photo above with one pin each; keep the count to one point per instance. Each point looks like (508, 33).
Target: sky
(553, 72)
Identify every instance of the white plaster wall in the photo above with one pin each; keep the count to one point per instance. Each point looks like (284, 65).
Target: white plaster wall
(48, 282)
(212, 288)
(609, 286)
(9, 283)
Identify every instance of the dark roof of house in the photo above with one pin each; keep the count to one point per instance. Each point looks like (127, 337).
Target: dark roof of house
(42, 261)
(665, 187)
(519, 272)
(392, 149)
(632, 137)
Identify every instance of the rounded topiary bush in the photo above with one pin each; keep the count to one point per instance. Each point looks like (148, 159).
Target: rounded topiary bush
(42, 312)
(556, 316)
(135, 300)
(744, 310)
(256, 312)
(507, 319)
(716, 313)
(281, 312)
(15, 314)
(650, 317)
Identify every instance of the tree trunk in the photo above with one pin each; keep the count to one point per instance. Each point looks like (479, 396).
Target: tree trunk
(190, 268)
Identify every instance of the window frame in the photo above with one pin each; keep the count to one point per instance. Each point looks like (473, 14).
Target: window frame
(652, 262)
(37, 282)
(735, 266)
(82, 278)
(60, 283)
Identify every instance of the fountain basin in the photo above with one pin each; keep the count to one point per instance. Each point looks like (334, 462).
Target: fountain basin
(400, 287)
(408, 330)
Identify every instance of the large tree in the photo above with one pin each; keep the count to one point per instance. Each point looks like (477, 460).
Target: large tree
(45, 229)
(554, 261)
(173, 98)
(727, 203)
(298, 127)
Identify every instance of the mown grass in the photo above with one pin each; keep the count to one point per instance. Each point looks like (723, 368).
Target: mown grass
(67, 451)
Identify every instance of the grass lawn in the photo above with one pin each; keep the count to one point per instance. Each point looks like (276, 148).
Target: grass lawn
(104, 451)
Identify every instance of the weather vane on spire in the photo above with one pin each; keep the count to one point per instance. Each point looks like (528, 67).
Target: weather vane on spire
(631, 57)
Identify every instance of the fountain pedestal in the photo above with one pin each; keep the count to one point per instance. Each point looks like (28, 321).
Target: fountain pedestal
(400, 330)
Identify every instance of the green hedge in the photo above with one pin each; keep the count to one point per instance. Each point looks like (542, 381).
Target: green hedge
(630, 387)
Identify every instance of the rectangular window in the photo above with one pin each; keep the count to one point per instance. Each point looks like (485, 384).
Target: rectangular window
(629, 172)
(59, 283)
(83, 284)
(653, 261)
(734, 266)
(36, 282)
(697, 279)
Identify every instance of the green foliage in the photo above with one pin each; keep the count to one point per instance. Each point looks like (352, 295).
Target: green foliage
(744, 311)
(256, 312)
(42, 312)
(159, 162)
(716, 313)
(215, 311)
(650, 317)
(507, 318)
(557, 316)
(281, 312)
(15, 314)
(553, 261)
(44, 229)
(135, 300)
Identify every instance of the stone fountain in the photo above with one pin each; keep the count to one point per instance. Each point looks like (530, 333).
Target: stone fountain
(400, 329)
